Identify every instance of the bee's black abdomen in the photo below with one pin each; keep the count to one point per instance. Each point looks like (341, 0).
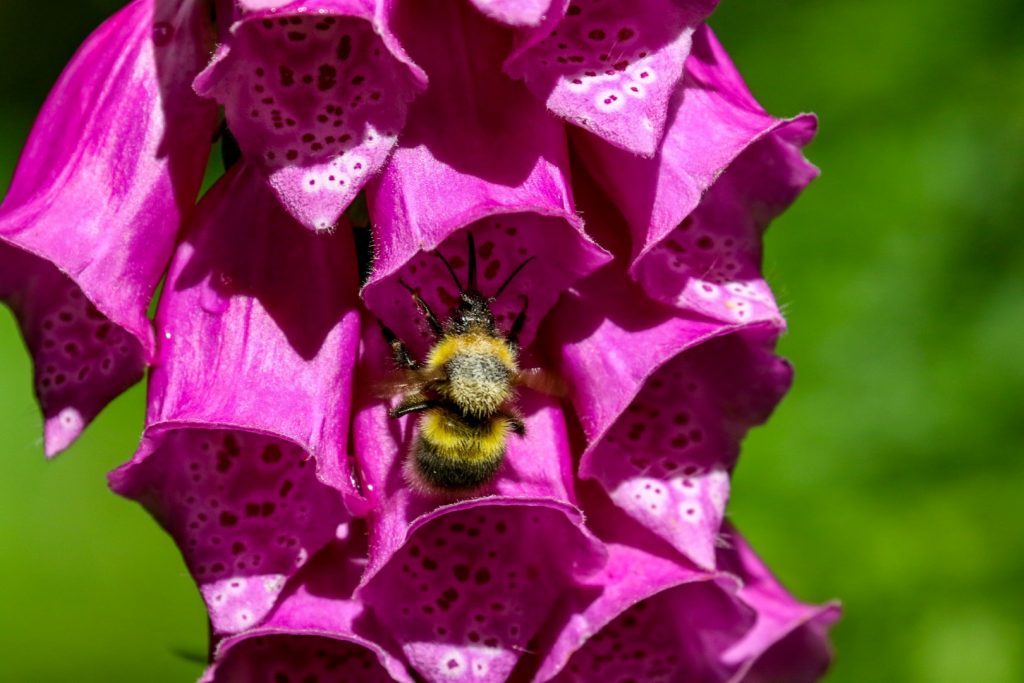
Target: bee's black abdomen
(431, 469)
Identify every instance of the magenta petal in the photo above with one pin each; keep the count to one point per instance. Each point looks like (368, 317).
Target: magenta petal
(233, 420)
(474, 583)
(316, 630)
(480, 154)
(714, 119)
(515, 12)
(647, 617)
(664, 403)
(316, 93)
(789, 640)
(114, 161)
(611, 68)
(711, 262)
(653, 619)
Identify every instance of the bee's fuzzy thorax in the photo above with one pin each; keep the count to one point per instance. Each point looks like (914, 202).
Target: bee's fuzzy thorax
(479, 370)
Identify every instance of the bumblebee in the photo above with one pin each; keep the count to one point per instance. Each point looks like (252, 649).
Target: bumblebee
(464, 390)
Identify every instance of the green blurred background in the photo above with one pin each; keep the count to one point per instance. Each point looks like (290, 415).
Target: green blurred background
(890, 477)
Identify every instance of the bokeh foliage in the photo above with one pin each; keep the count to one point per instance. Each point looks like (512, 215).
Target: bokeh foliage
(890, 477)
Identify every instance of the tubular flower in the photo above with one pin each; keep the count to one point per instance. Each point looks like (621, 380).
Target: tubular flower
(593, 172)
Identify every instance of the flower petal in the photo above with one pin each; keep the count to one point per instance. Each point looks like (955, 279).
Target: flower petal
(711, 262)
(515, 12)
(713, 120)
(114, 161)
(258, 333)
(653, 620)
(316, 93)
(471, 587)
(316, 629)
(478, 154)
(789, 640)
(664, 401)
(647, 617)
(611, 68)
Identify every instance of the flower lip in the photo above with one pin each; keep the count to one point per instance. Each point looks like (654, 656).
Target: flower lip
(610, 68)
(475, 580)
(711, 122)
(316, 611)
(244, 507)
(95, 203)
(316, 94)
(518, 12)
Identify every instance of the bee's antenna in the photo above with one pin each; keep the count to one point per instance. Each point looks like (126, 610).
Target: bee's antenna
(511, 276)
(471, 258)
(450, 269)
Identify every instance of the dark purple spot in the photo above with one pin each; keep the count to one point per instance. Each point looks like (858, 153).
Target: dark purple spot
(327, 77)
(344, 48)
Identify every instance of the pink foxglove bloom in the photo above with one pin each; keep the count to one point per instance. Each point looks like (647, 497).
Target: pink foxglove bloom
(612, 143)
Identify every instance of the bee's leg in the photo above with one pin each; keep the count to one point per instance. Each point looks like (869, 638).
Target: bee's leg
(413, 404)
(517, 324)
(399, 351)
(432, 321)
(515, 422)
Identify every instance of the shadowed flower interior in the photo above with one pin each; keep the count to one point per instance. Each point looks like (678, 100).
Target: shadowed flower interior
(604, 169)
(299, 659)
(470, 589)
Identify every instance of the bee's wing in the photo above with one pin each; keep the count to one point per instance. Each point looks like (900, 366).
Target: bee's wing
(540, 380)
(403, 384)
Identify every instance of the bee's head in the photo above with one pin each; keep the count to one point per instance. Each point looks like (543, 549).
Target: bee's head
(474, 309)
(473, 312)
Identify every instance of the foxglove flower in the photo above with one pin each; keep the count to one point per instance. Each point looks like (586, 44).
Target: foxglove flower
(610, 145)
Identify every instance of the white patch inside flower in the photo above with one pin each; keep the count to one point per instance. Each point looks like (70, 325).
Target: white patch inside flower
(741, 289)
(357, 166)
(739, 308)
(642, 73)
(637, 90)
(311, 182)
(607, 76)
(706, 290)
(646, 494)
(452, 664)
(235, 585)
(691, 512)
(243, 619)
(718, 488)
(686, 486)
(608, 101)
(71, 420)
(301, 557)
(373, 138)
(481, 667)
(578, 84)
(274, 583)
